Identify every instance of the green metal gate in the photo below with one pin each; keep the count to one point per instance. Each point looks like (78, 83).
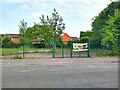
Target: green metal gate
(62, 50)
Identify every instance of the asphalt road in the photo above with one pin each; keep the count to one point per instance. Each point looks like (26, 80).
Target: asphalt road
(60, 73)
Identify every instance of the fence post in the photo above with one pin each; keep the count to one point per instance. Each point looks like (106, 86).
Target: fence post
(53, 49)
(79, 53)
(62, 51)
(71, 49)
(23, 50)
(88, 47)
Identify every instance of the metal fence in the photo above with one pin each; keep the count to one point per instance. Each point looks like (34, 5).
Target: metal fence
(10, 50)
(26, 51)
(68, 49)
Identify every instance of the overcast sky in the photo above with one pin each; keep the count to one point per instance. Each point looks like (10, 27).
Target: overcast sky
(77, 14)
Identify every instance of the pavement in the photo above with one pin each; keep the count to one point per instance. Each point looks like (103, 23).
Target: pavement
(60, 73)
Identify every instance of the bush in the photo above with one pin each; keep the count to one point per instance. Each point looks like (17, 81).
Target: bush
(39, 45)
(7, 43)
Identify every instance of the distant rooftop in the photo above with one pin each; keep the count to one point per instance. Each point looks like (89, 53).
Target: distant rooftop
(12, 35)
(74, 38)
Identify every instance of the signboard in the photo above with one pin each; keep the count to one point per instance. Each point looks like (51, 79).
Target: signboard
(80, 46)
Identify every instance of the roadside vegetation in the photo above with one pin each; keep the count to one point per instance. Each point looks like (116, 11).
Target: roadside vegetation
(104, 37)
(105, 32)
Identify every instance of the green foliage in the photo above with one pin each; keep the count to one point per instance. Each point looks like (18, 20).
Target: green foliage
(100, 20)
(39, 45)
(1, 41)
(106, 27)
(7, 43)
(110, 35)
(84, 36)
(53, 26)
(46, 31)
(23, 28)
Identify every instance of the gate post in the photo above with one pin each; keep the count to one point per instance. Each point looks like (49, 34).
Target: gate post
(62, 50)
(71, 48)
(23, 49)
(79, 53)
(88, 47)
(53, 49)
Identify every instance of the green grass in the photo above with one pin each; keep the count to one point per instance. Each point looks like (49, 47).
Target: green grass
(9, 51)
(16, 51)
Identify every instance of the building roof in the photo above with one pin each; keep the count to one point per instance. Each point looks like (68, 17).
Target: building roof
(14, 35)
(65, 34)
(66, 37)
(74, 38)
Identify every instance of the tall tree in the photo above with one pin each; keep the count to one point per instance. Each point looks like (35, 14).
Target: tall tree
(111, 31)
(100, 24)
(49, 29)
(23, 28)
(100, 20)
(55, 23)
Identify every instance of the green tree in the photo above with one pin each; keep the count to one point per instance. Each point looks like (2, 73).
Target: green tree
(23, 28)
(110, 31)
(100, 20)
(47, 30)
(100, 24)
(55, 25)
(0, 41)
(39, 34)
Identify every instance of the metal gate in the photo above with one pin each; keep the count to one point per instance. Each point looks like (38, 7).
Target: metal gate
(70, 50)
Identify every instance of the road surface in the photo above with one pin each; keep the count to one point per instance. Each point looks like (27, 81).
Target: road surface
(60, 73)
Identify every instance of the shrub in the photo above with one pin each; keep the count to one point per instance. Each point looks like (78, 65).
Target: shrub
(7, 43)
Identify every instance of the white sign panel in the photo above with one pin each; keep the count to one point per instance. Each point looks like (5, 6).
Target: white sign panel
(80, 46)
